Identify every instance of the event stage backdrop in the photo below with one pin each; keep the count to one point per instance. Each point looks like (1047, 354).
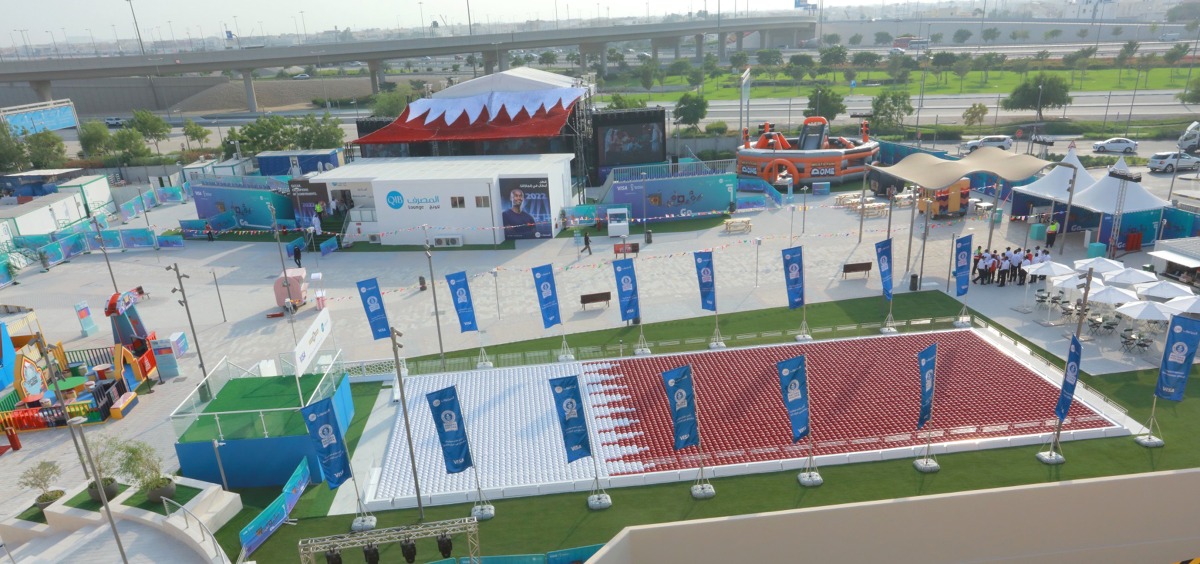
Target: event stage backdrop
(669, 199)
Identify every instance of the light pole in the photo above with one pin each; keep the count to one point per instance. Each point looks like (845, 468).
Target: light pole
(291, 309)
(304, 26)
(54, 42)
(412, 457)
(138, 30)
(237, 31)
(171, 27)
(179, 276)
(76, 425)
(93, 36)
(437, 317)
(421, 10)
(470, 27)
(104, 250)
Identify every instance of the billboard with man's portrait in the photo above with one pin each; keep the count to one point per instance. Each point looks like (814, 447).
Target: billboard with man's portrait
(526, 205)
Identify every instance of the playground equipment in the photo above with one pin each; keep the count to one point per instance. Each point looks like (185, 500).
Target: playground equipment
(133, 356)
(812, 156)
(294, 294)
(950, 201)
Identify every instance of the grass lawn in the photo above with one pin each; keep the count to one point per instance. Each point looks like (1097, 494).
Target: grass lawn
(33, 514)
(82, 501)
(183, 494)
(250, 395)
(540, 524)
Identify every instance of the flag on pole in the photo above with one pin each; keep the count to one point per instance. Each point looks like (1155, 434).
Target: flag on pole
(451, 429)
(322, 425)
(927, 364)
(372, 303)
(707, 280)
(1182, 339)
(543, 282)
(627, 290)
(962, 264)
(793, 382)
(883, 253)
(793, 268)
(571, 422)
(460, 292)
(681, 400)
(1070, 377)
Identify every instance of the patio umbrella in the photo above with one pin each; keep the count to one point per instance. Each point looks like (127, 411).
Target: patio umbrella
(1130, 276)
(1074, 281)
(1048, 269)
(1147, 311)
(1099, 265)
(1185, 304)
(1163, 289)
(1113, 295)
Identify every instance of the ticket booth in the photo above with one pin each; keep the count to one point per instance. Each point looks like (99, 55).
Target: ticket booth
(618, 222)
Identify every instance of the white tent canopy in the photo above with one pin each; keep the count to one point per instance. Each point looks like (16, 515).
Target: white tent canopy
(1103, 196)
(1053, 186)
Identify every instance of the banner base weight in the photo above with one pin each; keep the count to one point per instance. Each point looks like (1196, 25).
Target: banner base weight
(1149, 441)
(483, 512)
(926, 465)
(703, 491)
(810, 479)
(363, 523)
(1050, 457)
(596, 502)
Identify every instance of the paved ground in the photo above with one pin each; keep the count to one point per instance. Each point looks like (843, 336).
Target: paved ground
(505, 303)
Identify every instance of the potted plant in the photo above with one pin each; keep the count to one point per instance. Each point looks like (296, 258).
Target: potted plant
(41, 477)
(104, 453)
(143, 466)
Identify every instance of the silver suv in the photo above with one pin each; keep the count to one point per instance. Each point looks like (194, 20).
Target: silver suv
(999, 141)
(1169, 162)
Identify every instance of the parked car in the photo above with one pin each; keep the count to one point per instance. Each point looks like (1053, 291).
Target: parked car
(897, 51)
(1115, 145)
(114, 122)
(1169, 162)
(301, 76)
(998, 141)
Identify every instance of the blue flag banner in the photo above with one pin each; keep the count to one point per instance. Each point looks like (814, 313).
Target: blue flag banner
(962, 264)
(927, 364)
(543, 282)
(451, 429)
(372, 303)
(460, 292)
(793, 268)
(627, 289)
(707, 280)
(1182, 339)
(331, 449)
(1069, 378)
(569, 406)
(681, 400)
(883, 253)
(793, 382)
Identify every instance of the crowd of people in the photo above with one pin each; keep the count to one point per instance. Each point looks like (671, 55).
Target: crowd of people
(1007, 267)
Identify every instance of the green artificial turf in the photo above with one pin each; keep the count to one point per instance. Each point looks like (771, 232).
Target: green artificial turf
(82, 501)
(250, 395)
(33, 514)
(183, 494)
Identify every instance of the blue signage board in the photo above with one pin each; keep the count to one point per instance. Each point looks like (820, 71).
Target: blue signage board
(372, 301)
(571, 421)
(460, 294)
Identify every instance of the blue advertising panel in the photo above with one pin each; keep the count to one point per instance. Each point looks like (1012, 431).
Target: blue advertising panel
(707, 280)
(327, 441)
(222, 221)
(571, 420)
(451, 429)
(670, 199)
(140, 238)
(883, 253)
(73, 245)
(328, 246)
(681, 401)
(460, 292)
(927, 364)
(1182, 339)
(170, 241)
(295, 485)
(170, 193)
(272, 517)
(1070, 377)
(53, 252)
(111, 239)
(627, 289)
(543, 283)
(793, 383)
(51, 117)
(372, 301)
(962, 265)
(526, 203)
(249, 206)
(793, 271)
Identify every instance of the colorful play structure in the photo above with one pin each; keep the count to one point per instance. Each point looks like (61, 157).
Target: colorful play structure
(812, 156)
(133, 358)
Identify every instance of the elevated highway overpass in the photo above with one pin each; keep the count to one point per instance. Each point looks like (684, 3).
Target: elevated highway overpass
(787, 30)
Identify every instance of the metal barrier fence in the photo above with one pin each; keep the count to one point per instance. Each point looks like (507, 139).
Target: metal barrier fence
(91, 357)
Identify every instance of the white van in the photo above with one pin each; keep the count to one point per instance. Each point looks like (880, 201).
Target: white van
(1169, 37)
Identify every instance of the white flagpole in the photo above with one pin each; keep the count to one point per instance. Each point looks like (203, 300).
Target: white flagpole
(702, 489)
(810, 476)
(926, 463)
(483, 509)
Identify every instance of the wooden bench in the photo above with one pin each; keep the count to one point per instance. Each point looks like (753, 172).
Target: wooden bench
(741, 224)
(864, 267)
(585, 299)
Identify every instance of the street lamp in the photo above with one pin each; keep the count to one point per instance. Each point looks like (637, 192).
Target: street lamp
(437, 318)
(54, 42)
(304, 26)
(76, 425)
(93, 36)
(104, 249)
(137, 29)
(291, 305)
(179, 276)
(412, 457)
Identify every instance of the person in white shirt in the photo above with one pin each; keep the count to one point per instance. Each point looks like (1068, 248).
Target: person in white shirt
(1021, 276)
(1005, 266)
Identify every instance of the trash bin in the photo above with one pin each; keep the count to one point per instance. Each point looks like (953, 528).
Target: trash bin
(1096, 250)
(912, 283)
(421, 283)
(649, 236)
(997, 215)
(13, 440)
(1037, 232)
(1148, 267)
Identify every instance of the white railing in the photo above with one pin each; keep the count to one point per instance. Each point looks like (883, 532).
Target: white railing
(188, 516)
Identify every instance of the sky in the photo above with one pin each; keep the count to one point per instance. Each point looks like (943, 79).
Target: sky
(158, 18)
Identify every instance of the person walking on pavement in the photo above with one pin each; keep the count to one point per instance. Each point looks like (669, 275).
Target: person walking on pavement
(296, 255)
(587, 244)
(1051, 233)
(208, 230)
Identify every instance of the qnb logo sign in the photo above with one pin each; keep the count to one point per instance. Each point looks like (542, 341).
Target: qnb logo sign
(395, 200)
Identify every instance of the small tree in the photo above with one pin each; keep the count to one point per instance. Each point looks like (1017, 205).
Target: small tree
(961, 36)
(883, 38)
(142, 465)
(94, 138)
(547, 58)
(1174, 55)
(737, 61)
(975, 115)
(106, 453)
(1116, 31)
(890, 108)
(936, 39)
(1192, 94)
(129, 144)
(620, 101)
(390, 104)
(691, 108)
(825, 102)
(1052, 34)
(151, 127)
(831, 39)
(856, 39)
(769, 57)
(717, 128)
(1082, 33)
(1054, 93)
(962, 68)
(13, 155)
(46, 150)
(41, 477)
(195, 132)
(991, 34)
